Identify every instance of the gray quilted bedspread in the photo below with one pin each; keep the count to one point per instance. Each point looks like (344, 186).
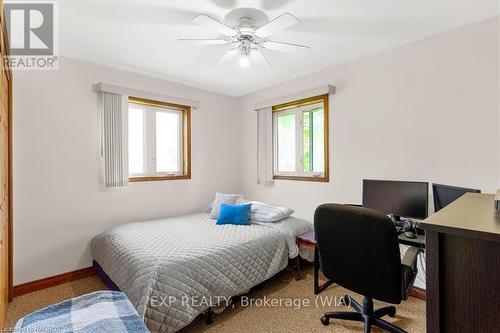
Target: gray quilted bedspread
(173, 269)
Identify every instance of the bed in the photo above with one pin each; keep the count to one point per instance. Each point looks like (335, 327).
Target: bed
(173, 269)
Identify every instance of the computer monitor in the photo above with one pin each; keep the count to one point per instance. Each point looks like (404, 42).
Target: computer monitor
(446, 194)
(399, 198)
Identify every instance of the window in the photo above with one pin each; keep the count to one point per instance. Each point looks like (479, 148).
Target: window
(300, 136)
(158, 140)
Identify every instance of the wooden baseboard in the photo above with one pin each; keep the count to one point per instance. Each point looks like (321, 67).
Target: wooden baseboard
(52, 281)
(418, 293)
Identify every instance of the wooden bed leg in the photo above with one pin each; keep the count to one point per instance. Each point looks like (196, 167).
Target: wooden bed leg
(209, 319)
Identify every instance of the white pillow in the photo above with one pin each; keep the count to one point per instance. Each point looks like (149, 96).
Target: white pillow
(226, 198)
(263, 212)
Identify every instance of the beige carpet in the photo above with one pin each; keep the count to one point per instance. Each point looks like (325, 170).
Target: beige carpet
(257, 318)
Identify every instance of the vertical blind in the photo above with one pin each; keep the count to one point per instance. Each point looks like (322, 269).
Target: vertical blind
(114, 142)
(265, 146)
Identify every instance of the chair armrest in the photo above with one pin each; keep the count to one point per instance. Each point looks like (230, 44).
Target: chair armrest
(410, 257)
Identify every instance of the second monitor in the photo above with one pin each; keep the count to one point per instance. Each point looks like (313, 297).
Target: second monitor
(399, 198)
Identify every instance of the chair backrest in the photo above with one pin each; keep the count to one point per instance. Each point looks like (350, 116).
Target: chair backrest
(359, 250)
(446, 194)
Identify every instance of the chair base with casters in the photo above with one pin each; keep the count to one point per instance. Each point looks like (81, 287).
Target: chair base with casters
(366, 314)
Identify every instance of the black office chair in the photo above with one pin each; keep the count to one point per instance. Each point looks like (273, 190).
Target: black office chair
(446, 194)
(359, 250)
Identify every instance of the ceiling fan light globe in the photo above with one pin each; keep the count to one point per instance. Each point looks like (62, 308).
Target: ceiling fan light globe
(244, 61)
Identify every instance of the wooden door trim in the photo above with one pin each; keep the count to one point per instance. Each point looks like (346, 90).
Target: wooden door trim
(6, 52)
(11, 206)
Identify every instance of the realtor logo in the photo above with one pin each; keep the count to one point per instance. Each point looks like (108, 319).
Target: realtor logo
(31, 28)
(32, 35)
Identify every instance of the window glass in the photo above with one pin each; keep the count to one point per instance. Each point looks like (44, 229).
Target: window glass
(300, 133)
(313, 135)
(168, 134)
(159, 140)
(286, 142)
(136, 140)
(319, 141)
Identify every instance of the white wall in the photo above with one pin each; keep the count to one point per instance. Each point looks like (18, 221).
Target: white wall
(58, 206)
(427, 111)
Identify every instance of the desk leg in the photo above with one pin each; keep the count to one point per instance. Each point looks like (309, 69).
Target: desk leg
(297, 274)
(316, 271)
(463, 283)
(317, 287)
(432, 282)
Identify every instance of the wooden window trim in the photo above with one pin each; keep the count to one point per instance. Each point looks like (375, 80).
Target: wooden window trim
(303, 102)
(186, 139)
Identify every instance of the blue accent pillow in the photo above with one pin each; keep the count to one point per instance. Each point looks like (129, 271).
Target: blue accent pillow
(234, 214)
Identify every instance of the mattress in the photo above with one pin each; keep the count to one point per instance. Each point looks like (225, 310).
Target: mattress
(173, 269)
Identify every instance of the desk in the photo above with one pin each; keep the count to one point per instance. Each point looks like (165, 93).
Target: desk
(463, 266)
(308, 238)
(417, 242)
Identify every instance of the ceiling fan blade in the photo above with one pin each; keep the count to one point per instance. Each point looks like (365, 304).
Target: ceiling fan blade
(203, 41)
(285, 47)
(257, 57)
(209, 22)
(280, 23)
(226, 57)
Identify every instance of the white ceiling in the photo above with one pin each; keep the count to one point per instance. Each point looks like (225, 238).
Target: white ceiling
(142, 36)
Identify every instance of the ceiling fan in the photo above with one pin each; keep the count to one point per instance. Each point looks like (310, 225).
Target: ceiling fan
(246, 39)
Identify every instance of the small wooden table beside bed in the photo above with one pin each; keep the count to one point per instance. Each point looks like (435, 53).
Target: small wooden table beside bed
(174, 269)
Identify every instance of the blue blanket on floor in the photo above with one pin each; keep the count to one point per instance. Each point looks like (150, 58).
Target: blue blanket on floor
(100, 311)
